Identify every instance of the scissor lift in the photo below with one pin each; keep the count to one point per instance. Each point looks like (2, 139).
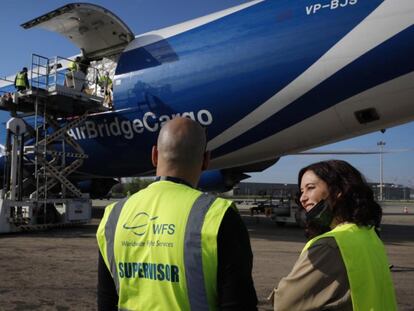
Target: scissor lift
(40, 156)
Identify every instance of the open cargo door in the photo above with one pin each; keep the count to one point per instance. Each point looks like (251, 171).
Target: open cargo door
(95, 30)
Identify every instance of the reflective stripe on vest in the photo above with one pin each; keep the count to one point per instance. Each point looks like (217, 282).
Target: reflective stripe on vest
(21, 79)
(110, 228)
(366, 265)
(197, 294)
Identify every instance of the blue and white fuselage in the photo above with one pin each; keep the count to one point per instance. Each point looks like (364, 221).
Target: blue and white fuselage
(267, 78)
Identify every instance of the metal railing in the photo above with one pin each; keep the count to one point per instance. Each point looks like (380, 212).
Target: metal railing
(46, 73)
(39, 72)
(49, 72)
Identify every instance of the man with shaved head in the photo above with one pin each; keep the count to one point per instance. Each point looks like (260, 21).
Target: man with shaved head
(181, 150)
(170, 246)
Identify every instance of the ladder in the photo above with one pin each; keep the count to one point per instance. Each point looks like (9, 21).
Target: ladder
(41, 157)
(50, 165)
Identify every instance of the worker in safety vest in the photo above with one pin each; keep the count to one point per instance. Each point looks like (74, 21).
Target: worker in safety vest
(345, 266)
(105, 82)
(21, 82)
(74, 64)
(73, 68)
(170, 246)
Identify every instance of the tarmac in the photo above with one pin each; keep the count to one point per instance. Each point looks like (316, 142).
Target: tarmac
(57, 269)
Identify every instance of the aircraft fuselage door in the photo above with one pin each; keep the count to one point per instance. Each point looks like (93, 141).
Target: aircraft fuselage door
(95, 30)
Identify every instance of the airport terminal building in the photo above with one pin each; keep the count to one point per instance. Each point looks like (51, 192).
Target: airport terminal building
(265, 189)
(390, 191)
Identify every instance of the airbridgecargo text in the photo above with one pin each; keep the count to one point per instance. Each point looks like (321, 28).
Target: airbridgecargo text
(127, 129)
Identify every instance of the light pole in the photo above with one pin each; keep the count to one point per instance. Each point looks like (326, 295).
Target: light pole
(381, 145)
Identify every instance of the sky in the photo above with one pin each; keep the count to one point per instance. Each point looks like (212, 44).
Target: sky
(145, 15)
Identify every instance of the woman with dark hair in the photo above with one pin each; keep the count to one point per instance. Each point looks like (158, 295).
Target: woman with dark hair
(344, 266)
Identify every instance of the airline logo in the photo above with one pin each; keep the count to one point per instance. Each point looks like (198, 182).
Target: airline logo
(128, 129)
(143, 221)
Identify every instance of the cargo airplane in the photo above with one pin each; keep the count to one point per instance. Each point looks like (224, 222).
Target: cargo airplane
(267, 78)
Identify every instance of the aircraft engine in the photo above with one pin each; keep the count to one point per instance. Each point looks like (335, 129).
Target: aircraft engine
(225, 179)
(220, 180)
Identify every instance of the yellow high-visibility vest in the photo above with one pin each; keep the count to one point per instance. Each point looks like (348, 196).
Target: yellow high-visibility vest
(73, 66)
(105, 81)
(366, 265)
(160, 246)
(21, 79)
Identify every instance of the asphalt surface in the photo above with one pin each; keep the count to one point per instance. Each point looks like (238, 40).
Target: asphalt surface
(57, 270)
